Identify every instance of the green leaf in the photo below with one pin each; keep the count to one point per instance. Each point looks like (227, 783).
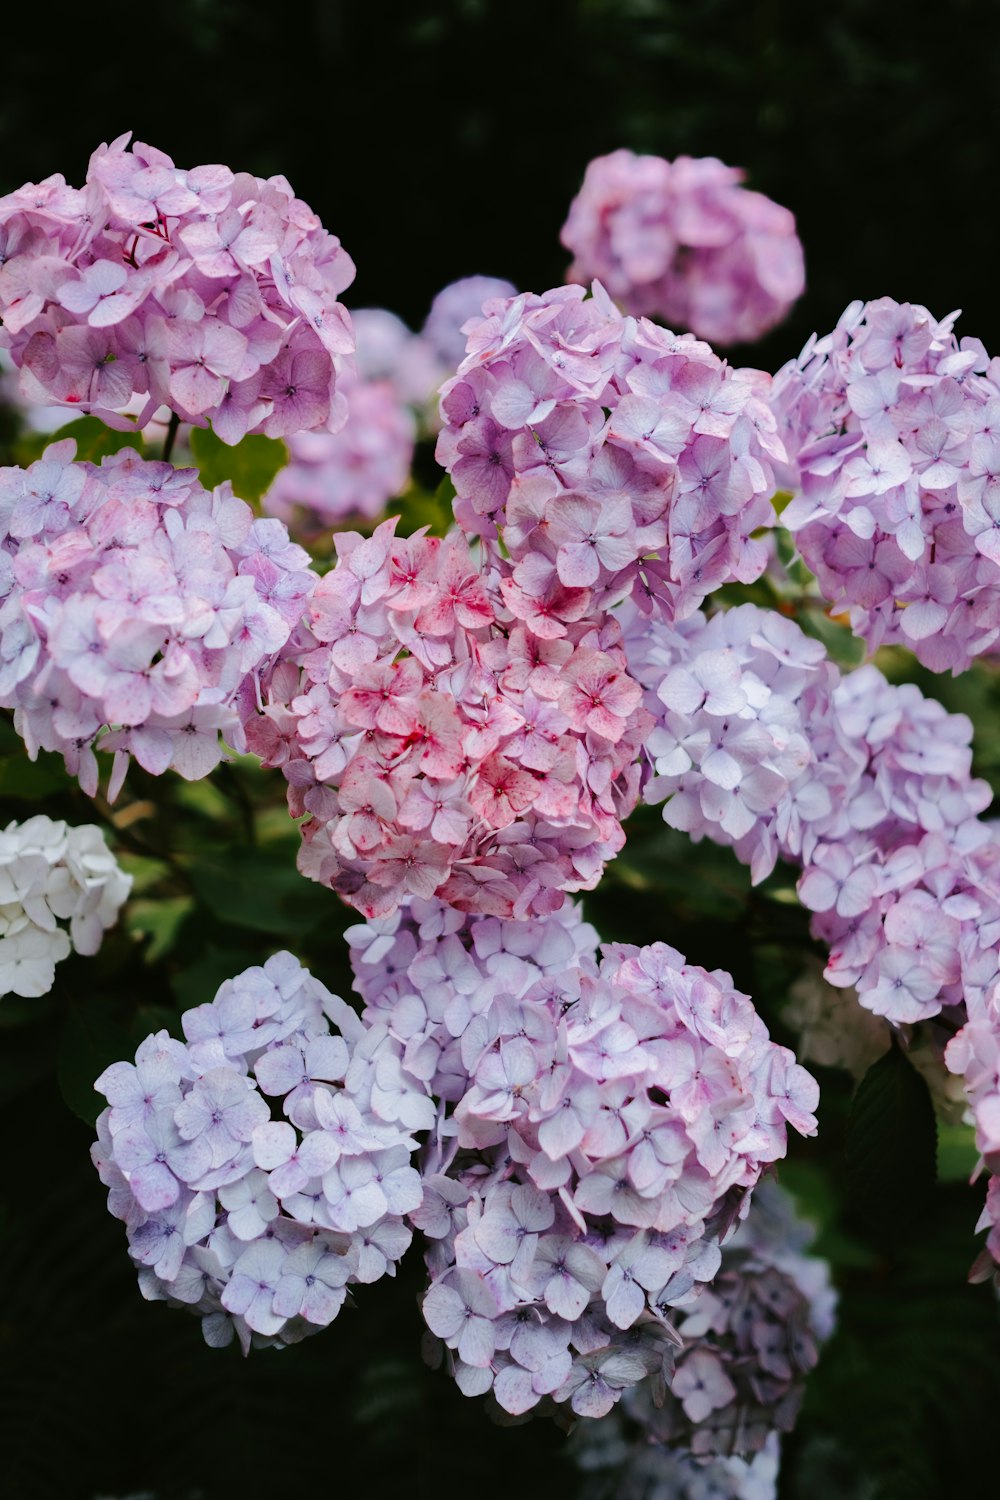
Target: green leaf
(416, 507)
(32, 779)
(957, 1152)
(93, 440)
(91, 1040)
(161, 921)
(250, 466)
(841, 646)
(260, 889)
(891, 1145)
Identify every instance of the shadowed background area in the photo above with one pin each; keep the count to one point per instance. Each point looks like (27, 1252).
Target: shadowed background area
(440, 141)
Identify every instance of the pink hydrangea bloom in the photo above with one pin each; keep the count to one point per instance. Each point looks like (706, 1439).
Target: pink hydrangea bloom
(609, 1117)
(762, 745)
(441, 746)
(211, 292)
(133, 603)
(687, 243)
(891, 427)
(606, 457)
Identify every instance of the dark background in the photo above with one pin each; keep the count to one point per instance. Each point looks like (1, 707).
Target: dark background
(439, 141)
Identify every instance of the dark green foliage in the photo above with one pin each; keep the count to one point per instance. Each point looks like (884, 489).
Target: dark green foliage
(250, 466)
(891, 1147)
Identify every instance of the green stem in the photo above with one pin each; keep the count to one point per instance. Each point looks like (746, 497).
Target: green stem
(168, 442)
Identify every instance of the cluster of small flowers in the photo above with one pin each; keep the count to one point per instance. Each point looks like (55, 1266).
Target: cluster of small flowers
(867, 785)
(621, 1463)
(260, 1224)
(440, 747)
(354, 472)
(609, 1119)
(686, 242)
(974, 1054)
(892, 428)
(830, 1028)
(51, 873)
(132, 598)
(750, 1341)
(210, 292)
(609, 457)
(388, 350)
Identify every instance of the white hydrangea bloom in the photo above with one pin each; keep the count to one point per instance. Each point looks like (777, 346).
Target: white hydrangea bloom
(53, 877)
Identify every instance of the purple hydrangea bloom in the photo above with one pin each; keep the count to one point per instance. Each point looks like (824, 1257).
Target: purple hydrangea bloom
(135, 606)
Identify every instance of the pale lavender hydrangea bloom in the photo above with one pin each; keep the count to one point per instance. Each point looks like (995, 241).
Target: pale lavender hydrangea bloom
(388, 350)
(711, 1430)
(133, 604)
(352, 473)
(687, 243)
(260, 1224)
(208, 292)
(60, 890)
(762, 745)
(610, 1115)
(890, 423)
(606, 457)
(620, 1464)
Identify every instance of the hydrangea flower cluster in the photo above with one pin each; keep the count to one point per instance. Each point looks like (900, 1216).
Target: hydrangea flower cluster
(351, 473)
(974, 1054)
(51, 873)
(761, 745)
(608, 457)
(890, 423)
(133, 602)
(685, 242)
(737, 1385)
(621, 1463)
(830, 1028)
(609, 1118)
(440, 747)
(211, 292)
(255, 1222)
